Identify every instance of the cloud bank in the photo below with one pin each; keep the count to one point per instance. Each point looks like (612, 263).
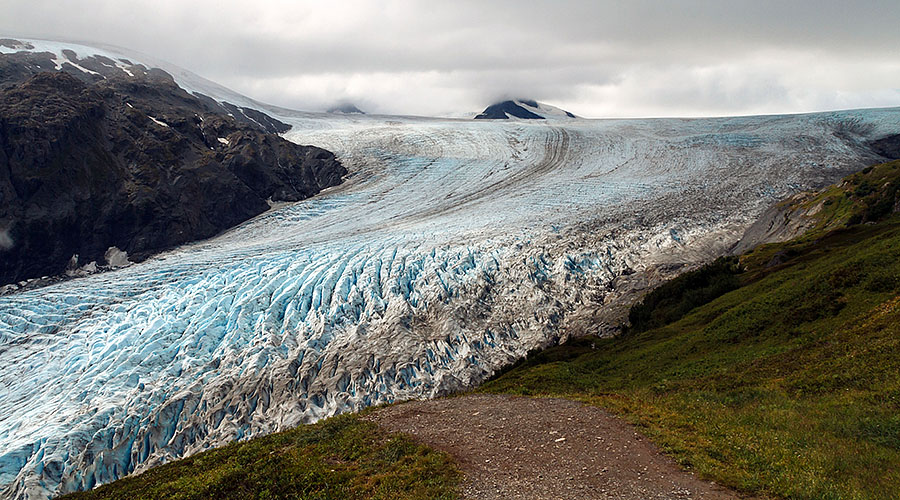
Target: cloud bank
(595, 58)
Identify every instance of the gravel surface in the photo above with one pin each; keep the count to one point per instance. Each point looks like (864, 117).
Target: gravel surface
(515, 447)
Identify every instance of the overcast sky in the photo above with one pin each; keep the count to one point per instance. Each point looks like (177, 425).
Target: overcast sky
(594, 58)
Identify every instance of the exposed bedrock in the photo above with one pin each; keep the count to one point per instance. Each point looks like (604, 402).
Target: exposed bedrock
(135, 164)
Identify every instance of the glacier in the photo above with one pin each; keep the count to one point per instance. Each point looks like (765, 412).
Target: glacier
(452, 249)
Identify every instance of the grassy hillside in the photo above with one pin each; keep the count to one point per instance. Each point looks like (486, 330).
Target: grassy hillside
(342, 457)
(778, 374)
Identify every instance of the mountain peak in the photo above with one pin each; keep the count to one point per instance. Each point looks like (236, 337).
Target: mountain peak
(346, 109)
(525, 109)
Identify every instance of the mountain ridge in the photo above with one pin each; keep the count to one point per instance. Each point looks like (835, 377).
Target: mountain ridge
(130, 162)
(524, 109)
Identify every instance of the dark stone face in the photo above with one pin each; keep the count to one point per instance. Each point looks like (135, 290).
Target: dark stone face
(133, 162)
(888, 147)
(503, 110)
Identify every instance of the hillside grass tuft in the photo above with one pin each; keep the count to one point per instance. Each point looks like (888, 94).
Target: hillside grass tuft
(343, 457)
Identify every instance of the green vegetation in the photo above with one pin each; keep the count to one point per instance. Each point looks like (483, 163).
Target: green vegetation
(867, 196)
(341, 457)
(672, 300)
(788, 385)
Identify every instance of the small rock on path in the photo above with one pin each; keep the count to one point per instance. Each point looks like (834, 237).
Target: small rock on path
(523, 448)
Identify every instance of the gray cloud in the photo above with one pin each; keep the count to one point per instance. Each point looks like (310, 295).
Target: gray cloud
(596, 58)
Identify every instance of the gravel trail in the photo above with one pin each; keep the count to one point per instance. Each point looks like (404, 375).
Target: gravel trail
(524, 448)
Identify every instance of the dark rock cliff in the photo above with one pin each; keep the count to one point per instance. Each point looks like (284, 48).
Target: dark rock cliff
(888, 147)
(134, 163)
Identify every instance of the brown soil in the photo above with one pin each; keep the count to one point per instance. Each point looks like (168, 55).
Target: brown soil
(514, 447)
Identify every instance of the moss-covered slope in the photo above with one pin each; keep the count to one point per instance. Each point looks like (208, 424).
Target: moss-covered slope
(342, 457)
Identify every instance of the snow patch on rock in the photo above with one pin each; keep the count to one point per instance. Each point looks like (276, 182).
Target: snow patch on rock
(116, 258)
(6, 241)
(158, 121)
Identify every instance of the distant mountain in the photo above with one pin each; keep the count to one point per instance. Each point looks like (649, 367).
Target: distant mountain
(525, 109)
(346, 109)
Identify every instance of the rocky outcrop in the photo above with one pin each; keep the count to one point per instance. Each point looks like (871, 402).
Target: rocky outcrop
(134, 163)
(868, 196)
(503, 110)
(780, 222)
(888, 147)
(525, 109)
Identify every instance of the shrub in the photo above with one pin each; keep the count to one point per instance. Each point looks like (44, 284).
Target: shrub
(676, 298)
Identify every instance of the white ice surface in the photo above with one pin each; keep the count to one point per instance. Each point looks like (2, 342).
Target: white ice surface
(453, 248)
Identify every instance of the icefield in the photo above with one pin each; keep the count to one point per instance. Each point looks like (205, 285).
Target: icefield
(452, 249)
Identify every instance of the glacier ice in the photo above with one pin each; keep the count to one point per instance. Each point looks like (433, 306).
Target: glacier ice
(452, 249)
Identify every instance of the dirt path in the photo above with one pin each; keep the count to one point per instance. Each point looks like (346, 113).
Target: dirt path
(511, 447)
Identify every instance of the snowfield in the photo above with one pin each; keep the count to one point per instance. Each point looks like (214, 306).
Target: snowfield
(453, 248)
